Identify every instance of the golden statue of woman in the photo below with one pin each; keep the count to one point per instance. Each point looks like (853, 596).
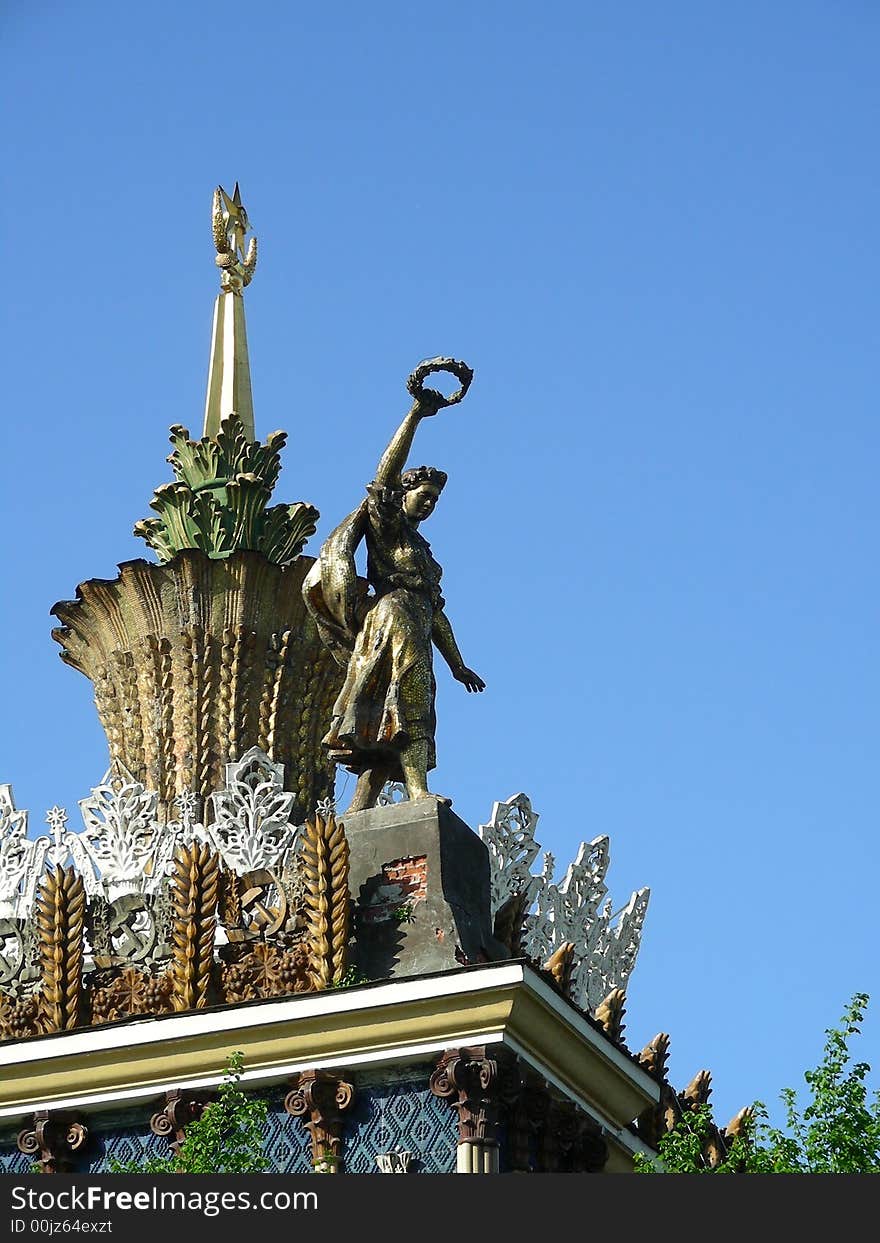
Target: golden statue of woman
(383, 719)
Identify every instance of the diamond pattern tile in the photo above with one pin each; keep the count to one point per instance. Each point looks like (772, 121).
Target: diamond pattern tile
(403, 1114)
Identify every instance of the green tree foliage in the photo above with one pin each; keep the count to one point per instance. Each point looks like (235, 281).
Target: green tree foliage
(227, 1139)
(838, 1132)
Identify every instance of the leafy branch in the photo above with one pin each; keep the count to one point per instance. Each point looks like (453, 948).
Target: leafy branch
(837, 1132)
(226, 1139)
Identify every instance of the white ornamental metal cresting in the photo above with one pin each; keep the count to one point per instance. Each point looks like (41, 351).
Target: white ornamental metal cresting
(252, 826)
(120, 851)
(123, 848)
(606, 944)
(21, 859)
(392, 793)
(127, 851)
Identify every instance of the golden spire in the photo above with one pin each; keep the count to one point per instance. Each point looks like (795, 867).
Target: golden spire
(229, 373)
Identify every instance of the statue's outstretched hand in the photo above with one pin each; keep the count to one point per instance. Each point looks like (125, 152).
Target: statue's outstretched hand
(472, 681)
(429, 400)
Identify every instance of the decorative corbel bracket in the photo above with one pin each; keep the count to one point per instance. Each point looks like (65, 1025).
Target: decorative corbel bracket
(180, 1109)
(478, 1082)
(53, 1138)
(320, 1099)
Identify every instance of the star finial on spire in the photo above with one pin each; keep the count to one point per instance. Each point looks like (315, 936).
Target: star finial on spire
(230, 224)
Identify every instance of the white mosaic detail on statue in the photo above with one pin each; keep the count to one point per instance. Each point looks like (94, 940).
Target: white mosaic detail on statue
(21, 860)
(393, 1162)
(325, 808)
(606, 944)
(126, 849)
(392, 793)
(570, 911)
(510, 837)
(252, 826)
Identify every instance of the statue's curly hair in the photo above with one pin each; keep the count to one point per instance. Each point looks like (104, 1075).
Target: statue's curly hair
(423, 474)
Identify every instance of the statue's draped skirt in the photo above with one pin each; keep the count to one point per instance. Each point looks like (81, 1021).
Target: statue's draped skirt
(387, 699)
(385, 641)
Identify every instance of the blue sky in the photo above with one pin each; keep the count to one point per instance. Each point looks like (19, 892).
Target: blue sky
(652, 231)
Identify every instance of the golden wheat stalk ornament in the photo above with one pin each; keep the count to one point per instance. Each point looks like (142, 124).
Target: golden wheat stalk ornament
(195, 884)
(60, 911)
(328, 906)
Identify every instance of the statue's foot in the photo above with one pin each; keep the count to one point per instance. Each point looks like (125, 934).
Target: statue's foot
(438, 798)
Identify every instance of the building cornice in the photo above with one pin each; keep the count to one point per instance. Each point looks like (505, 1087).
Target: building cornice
(379, 1024)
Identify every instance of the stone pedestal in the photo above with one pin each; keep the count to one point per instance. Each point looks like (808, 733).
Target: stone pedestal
(420, 882)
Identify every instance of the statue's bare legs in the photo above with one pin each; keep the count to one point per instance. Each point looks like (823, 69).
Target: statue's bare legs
(368, 788)
(413, 762)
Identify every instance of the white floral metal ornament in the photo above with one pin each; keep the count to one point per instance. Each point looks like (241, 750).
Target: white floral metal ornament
(252, 826)
(122, 838)
(510, 838)
(21, 860)
(606, 945)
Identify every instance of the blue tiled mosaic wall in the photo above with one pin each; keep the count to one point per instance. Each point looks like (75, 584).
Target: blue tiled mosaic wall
(287, 1143)
(123, 1136)
(392, 1110)
(400, 1113)
(11, 1160)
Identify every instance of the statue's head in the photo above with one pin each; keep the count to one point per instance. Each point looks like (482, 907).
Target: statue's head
(421, 487)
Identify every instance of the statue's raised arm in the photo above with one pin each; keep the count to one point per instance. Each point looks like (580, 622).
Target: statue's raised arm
(426, 402)
(383, 720)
